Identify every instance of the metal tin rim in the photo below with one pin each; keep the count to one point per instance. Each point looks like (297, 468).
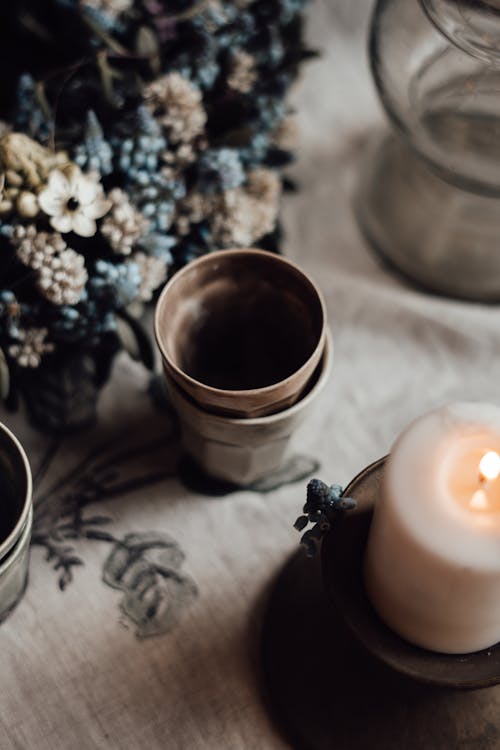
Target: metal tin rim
(20, 546)
(8, 543)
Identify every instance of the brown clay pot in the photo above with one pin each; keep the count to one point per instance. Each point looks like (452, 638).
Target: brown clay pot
(243, 451)
(241, 332)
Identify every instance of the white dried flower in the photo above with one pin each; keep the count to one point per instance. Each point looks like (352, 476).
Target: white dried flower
(177, 103)
(26, 166)
(34, 248)
(153, 273)
(264, 185)
(62, 279)
(4, 128)
(286, 133)
(124, 224)
(243, 73)
(27, 204)
(112, 8)
(31, 347)
(73, 201)
(245, 214)
(61, 271)
(184, 154)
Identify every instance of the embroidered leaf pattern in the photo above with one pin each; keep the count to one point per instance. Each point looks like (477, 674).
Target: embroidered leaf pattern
(145, 566)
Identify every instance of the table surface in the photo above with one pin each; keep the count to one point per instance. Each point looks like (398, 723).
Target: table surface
(153, 641)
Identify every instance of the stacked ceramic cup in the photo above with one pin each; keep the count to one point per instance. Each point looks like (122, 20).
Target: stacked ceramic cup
(245, 350)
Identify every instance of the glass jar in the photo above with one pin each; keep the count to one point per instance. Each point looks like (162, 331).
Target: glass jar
(429, 197)
(473, 25)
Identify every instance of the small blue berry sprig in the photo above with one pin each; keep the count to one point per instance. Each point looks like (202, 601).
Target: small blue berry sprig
(322, 504)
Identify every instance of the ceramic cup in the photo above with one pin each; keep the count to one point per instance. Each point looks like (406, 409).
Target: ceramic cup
(245, 450)
(241, 332)
(16, 518)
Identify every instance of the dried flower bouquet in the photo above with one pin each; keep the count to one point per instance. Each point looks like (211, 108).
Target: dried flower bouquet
(136, 135)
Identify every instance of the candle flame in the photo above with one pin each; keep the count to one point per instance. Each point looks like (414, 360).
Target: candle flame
(489, 467)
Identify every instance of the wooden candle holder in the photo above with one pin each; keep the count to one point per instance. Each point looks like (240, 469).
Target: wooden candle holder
(336, 677)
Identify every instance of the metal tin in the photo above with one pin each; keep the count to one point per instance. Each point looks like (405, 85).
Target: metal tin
(16, 520)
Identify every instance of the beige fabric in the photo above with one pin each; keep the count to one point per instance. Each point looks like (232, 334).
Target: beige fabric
(73, 674)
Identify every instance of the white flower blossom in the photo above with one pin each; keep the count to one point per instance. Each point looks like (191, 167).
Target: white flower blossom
(73, 201)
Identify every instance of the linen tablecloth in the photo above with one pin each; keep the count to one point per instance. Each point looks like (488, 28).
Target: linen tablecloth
(140, 624)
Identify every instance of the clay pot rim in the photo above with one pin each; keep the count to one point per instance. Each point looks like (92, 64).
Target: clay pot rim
(222, 392)
(325, 363)
(11, 540)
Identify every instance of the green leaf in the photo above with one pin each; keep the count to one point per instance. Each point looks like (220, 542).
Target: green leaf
(185, 15)
(128, 338)
(147, 45)
(4, 376)
(134, 339)
(136, 309)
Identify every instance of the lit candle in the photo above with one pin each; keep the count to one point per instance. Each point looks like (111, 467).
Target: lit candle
(432, 564)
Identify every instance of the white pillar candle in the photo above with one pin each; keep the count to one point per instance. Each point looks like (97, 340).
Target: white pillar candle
(432, 563)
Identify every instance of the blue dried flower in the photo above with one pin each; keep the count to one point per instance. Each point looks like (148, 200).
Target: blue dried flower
(10, 311)
(220, 170)
(159, 245)
(89, 321)
(205, 73)
(118, 282)
(109, 22)
(7, 297)
(29, 117)
(290, 9)
(95, 153)
(323, 503)
(271, 110)
(156, 199)
(139, 156)
(6, 230)
(239, 29)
